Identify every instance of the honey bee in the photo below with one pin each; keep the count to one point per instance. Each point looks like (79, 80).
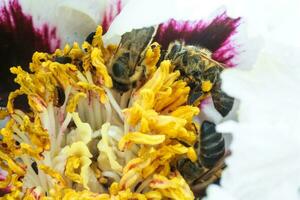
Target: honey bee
(211, 153)
(125, 66)
(196, 67)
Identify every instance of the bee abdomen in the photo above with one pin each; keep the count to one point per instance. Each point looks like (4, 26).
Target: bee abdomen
(212, 145)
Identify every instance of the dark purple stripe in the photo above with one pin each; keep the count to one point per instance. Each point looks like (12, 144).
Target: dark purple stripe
(214, 35)
(19, 39)
(109, 15)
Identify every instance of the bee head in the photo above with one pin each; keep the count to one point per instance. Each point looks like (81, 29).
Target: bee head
(120, 66)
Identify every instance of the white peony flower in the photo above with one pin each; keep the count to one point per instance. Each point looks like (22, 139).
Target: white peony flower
(264, 163)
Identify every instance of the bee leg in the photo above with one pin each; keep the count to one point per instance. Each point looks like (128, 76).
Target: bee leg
(209, 176)
(189, 169)
(201, 186)
(137, 74)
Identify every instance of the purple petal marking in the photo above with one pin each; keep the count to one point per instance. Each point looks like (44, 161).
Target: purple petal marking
(4, 191)
(19, 39)
(214, 35)
(113, 10)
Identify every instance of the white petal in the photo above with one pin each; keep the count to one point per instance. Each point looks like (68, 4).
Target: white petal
(275, 21)
(76, 19)
(214, 192)
(265, 163)
(73, 19)
(141, 13)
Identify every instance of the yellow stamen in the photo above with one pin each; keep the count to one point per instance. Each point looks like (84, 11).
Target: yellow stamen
(152, 56)
(55, 175)
(12, 164)
(101, 70)
(100, 91)
(140, 138)
(73, 163)
(72, 104)
(3, 114)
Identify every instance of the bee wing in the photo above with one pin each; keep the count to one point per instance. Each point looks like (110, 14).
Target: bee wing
(135, 42)
(222, 102)
(210, 176)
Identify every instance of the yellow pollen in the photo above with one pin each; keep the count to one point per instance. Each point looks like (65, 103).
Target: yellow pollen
(206, 86)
